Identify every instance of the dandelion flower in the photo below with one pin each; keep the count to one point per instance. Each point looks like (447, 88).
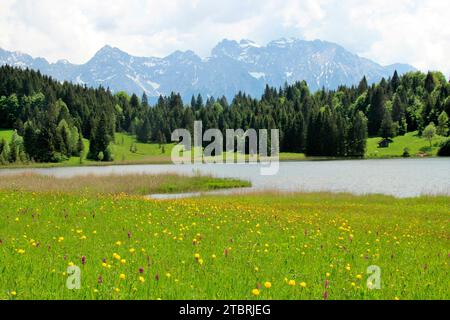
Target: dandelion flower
(122, 276)
(303, 284)
(141, 279)
(358, 276)
(267, 285)
(255, 292)
(123, 261)
(291, 283)
(20, 251)
(13, 293)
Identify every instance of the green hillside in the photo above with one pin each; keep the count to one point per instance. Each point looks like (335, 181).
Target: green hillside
(411, 140)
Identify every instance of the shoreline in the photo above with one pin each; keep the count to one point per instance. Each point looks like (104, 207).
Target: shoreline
(169, 162)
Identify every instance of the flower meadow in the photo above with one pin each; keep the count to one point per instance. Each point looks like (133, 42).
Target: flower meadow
(261, 246)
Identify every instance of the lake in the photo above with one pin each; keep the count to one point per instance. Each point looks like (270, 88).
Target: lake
(397, 177)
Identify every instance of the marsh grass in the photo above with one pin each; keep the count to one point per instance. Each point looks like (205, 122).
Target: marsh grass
(133, 184)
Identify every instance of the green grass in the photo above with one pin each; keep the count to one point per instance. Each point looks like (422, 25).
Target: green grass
(411, 140)
(223, 247)
(145, 151)
(6, 134)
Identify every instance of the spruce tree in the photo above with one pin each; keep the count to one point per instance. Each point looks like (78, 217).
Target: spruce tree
(387, 126)
(442, 128)
(376, 111)
(357, 136)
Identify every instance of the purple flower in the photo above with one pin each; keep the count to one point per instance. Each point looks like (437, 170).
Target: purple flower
(100, 279)
(157, 277)
(141, 270)
(129, 234)
(83, 260)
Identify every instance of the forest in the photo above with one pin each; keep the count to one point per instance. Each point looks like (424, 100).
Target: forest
(51, 118)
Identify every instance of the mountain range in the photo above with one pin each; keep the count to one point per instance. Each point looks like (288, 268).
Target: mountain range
(232, 67)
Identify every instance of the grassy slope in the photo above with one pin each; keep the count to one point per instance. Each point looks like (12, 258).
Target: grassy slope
(6, 134)
(223, 248)
(411, 140)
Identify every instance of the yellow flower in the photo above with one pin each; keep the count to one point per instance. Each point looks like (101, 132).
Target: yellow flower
(132, 250)
(116, 256)
(13, 293)
(328, 274)
(123, 261)
(60, 239)
(20, 251)
(267, 285)
(396, 298)
(122, 276)
(358, 276)
(303, 284)
(255, 292)
(213, 256)
(71, 264)
(197, 256)
(141, 279)
(118, 243)
(168, 275)
(117, 290)
(291, 283)
(200, 261)
(353, 284)
(104, 264)
(347, 268)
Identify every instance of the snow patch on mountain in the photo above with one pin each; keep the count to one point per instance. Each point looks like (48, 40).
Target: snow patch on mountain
(232, 66)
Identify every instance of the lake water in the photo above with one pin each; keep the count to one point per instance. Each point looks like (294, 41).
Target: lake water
(397, 177)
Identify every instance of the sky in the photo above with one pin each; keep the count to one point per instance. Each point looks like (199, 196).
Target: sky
(386, 31)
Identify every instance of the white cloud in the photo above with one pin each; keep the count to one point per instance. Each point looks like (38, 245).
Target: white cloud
(386, 31)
